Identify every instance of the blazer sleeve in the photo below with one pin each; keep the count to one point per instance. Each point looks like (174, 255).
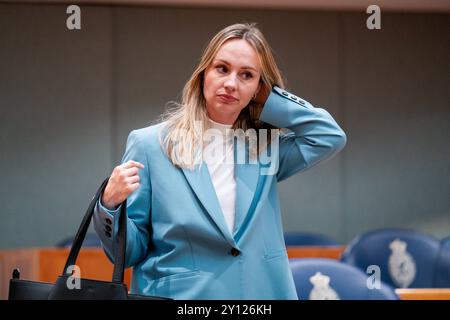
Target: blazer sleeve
(314, 135)
(106, 222)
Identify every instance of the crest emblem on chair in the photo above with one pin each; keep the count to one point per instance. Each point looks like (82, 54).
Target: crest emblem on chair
(402, 267)
(322, 289)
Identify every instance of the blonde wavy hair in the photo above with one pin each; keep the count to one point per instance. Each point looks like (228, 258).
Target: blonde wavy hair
(182, 136)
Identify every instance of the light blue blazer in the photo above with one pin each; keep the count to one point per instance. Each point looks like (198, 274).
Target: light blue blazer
(178, 242)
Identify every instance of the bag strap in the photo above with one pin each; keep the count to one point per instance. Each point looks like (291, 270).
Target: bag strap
(119, 246)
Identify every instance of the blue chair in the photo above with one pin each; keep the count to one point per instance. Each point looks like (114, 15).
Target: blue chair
(442, 271)
(329, 279)
(91, 240)
(406, 258)
(308, 239)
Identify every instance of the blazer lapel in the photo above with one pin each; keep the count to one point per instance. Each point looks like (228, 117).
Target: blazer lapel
(246, 176)
(246, 181)
(201, 183)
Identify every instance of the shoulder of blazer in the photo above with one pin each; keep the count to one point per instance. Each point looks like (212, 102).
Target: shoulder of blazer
(148, 136)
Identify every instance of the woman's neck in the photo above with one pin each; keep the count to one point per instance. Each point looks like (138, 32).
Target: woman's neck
(220, 126)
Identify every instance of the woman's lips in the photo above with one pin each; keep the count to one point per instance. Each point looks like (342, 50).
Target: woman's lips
(227, 98)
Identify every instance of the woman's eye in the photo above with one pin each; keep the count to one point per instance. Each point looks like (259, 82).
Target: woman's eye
(221, 69)
(224, 69)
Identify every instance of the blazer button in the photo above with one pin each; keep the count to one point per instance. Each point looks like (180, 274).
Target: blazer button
(235, 252)
(108, 234)
(108, 221)
(108, 228)
(285, 93)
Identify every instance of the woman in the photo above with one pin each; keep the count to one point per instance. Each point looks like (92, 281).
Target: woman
(203, 220)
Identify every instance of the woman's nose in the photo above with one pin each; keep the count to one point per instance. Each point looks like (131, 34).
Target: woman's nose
(231, 82)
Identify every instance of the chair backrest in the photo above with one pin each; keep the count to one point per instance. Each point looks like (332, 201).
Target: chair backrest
(298, 238)
(406, 258)
(329, 279)
(442, 271)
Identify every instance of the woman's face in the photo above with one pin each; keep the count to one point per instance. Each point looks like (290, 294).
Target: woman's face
(231, 80)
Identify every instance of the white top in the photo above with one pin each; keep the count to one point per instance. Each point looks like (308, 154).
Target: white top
(219, 157)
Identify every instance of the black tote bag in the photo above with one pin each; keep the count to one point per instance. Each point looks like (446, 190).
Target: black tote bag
(87, 289)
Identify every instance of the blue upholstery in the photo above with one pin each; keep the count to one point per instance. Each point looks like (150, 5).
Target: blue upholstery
(442, 273)
(91, 240)
(412, 265)
(348, 282)
(308, 239)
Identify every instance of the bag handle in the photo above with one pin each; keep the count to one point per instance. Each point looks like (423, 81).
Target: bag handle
(119, 246)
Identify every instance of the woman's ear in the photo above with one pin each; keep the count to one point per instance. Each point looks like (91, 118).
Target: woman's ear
(263, 93)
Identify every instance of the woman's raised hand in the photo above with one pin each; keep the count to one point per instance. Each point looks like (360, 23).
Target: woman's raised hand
(123, 181)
